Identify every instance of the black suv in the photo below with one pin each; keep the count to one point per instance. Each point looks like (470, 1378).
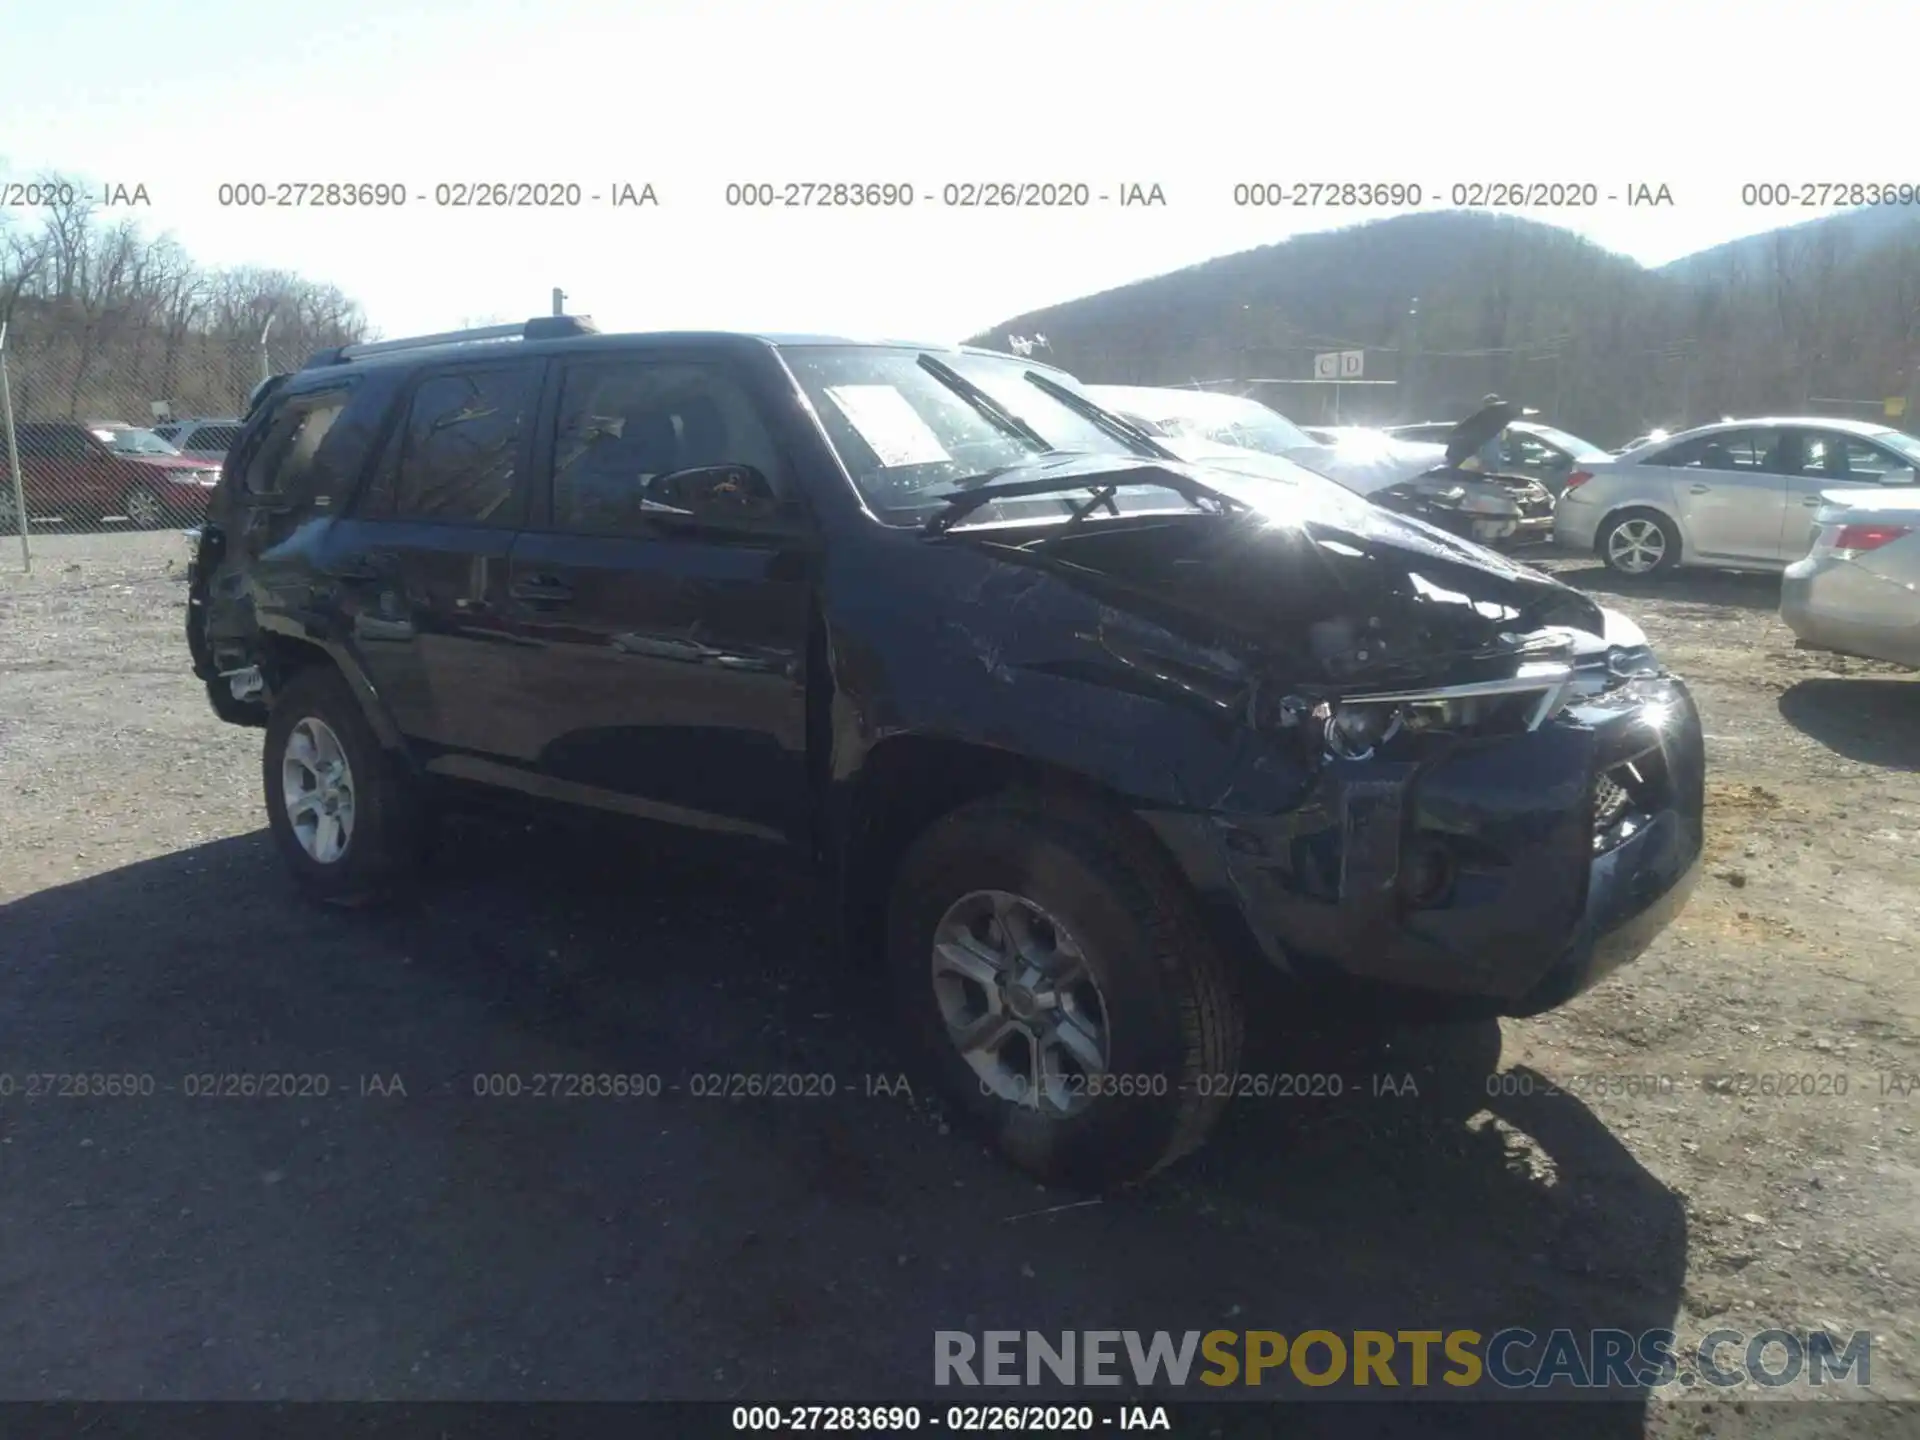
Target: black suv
(1076, 731)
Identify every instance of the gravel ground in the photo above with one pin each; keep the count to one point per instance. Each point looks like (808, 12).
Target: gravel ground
(1720, 1136)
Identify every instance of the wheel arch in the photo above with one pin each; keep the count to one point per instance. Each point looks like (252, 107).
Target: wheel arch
(907, 782)
(1624, 508)
(283, 652)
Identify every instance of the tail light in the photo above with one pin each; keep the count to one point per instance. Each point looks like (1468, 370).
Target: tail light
(1868, 537)
(1577, 479)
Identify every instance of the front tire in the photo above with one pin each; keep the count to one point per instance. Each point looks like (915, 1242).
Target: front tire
(1638, 543)
(342, 811)
(143, 509)
(1055, 979)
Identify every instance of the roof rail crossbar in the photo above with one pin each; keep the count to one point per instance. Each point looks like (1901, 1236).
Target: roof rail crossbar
(541, 327)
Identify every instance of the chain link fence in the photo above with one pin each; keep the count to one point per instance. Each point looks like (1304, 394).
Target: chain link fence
(99, 437)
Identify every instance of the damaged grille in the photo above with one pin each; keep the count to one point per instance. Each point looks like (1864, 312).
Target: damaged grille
(1625, 795)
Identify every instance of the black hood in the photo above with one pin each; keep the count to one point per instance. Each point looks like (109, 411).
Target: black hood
(1480, 427)
(1322, 583)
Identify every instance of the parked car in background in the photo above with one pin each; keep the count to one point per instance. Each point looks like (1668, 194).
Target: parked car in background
(1400, 475)
(80, 474)
(1536, 451)
(1080, 735)
(1857, 591)
(1737, 495)
(201, 438)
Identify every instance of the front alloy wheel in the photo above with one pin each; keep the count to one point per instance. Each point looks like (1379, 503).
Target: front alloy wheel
(316, 786)
(1019, 1001)
(144, 509)
(1059, 987)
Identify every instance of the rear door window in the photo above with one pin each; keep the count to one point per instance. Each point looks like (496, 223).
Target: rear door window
(1729, 450)
(459, 455)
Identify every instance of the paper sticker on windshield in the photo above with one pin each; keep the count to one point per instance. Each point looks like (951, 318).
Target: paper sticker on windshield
(888, 423)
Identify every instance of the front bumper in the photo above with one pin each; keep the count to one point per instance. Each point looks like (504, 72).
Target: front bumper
(1509, 873)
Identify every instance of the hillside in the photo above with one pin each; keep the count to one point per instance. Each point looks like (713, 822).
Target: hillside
(1451, 305)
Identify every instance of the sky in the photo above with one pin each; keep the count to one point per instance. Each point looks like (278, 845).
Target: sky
(690, 96)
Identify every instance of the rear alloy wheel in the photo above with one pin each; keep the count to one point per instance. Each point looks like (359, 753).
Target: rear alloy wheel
(1060, 990)
(143, 508)
(1639, 542)
(344, 815)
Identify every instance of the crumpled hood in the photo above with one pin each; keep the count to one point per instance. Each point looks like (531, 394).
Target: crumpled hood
(1317, 582)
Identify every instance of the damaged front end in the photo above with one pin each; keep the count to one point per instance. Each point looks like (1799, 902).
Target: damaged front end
(1463, 780)
(1488, 509)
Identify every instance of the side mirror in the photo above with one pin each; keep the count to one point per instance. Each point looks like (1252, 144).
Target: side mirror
(712, 495)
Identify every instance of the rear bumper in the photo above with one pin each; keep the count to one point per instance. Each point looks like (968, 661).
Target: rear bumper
(1551, 880)
(1575, 525)
(1834, 604)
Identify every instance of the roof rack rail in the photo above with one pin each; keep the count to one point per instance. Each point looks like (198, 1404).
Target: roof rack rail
(540, 327)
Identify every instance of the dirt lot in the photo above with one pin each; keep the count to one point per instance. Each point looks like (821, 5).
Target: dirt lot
(1721, 1136)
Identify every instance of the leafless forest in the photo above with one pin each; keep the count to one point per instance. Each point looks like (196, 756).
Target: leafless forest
(103, 318)
(1824, 317)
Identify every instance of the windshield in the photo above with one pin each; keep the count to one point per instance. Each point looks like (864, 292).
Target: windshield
(1202, 415)
(135, 442)
(1576, 447)
(1903, 442)
(909, 438)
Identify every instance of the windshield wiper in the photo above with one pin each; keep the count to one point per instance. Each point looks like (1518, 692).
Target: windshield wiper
(980, 400)
(1124, 431)
(964, 502)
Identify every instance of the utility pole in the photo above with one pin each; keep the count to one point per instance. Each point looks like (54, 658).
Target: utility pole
(559, 300)
(1410, 350)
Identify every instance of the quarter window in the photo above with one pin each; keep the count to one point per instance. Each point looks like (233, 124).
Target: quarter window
(281, 464)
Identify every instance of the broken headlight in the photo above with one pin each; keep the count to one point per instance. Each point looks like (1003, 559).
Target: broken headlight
(1355, 726)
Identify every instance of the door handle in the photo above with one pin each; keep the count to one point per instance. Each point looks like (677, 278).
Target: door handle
(1699, 489)
(540, 587)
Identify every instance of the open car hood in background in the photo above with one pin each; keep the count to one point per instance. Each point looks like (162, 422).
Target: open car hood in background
(1480, 427)
(1362, 464)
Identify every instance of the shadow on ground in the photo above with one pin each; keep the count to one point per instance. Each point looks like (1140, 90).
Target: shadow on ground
(1735, 589)
(1874, 721)
(466, 1241)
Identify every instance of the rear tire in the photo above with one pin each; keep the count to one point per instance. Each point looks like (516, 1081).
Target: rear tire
(355, 831)
(1638, 543)
(1130, 1064)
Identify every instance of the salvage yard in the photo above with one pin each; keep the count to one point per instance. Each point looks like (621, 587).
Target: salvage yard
(1721, 1136)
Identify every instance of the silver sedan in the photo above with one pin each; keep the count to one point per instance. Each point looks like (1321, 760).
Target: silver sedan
(1739, 495)
(1858, 589)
